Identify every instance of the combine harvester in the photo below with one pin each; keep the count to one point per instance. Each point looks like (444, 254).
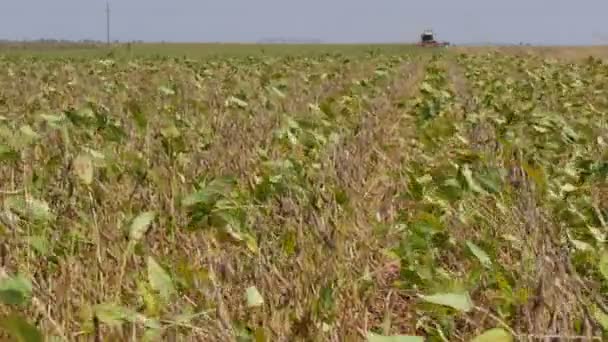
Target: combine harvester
(427, 39)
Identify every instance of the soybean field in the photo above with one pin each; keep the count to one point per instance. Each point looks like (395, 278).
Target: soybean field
(444, 196)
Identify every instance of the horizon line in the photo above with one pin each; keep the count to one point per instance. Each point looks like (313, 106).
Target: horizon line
(279, 41)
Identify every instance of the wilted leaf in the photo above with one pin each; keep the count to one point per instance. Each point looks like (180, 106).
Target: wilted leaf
(537, 174)
(170, 131)
(166, 90)
(30, 208)
(568, 188)
(39, 209)
(381, 73)
(83, 166)
(29, 133)
(253, 296)
(15, 290)
(140, 225)
(106, 62)
(427, 87)
(232, 100)
(458, 301)
(260, 335)
(149, 298)
(494, 335)
(582, 246)
(479, 254)
(53, 120)
(251, 243)
(278, 92)
(371, 337)
(97, 157)
(20, 329)
(159, 279)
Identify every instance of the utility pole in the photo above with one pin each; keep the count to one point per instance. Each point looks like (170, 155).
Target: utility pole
(108, 22)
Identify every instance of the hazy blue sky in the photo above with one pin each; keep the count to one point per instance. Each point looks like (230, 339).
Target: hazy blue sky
(464, 21)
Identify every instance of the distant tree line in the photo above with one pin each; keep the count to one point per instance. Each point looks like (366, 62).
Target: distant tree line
(286, 40)
(57, 43)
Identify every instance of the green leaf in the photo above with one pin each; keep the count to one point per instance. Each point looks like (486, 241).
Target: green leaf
(39, 243)
(603, 264)
(537, 174)
(468, 175)
(490, 181)
(85, 117)
(371, 337)
(20, 329)
(253, 297)
(83, 166)
(112, 314)
(152, 334)
(601, 317)
(140, 225)
(217, 188)
(494, 335)
(458, 301)
(140, 118)
(479, 254)
(15, 290)
(8, 154)
(159, 279)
